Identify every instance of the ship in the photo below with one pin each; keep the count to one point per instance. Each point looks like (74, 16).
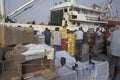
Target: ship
(86, 17)
(71, 12)
(74, 14)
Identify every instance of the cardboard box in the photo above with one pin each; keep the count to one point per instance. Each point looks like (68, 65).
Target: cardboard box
(9, 75)
(91, 30)
(33, 65)
(7, 66)
(8, 55)
(17, 53)
(85, 49)
(38, 65)
(14, 35)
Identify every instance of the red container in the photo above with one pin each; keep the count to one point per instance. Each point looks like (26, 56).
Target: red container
(64, 45)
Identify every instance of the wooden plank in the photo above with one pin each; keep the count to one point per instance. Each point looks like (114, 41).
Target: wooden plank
(46, 73)
(31, 74)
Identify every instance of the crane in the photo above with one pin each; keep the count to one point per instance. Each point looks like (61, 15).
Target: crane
(23, 8)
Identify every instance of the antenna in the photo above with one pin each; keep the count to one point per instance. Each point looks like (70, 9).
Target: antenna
(73, 1)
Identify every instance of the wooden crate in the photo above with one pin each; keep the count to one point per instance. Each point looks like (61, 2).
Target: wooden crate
(33, 67)
(8, 71)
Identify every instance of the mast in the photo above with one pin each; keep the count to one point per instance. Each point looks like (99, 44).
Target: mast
(2, 10)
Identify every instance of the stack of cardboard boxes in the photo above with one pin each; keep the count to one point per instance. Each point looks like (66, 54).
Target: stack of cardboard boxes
(35, 66)
(100, 45)
(71, 44)
(14, 67)
(9, 37)
(89, 39)
(68, 43)
(14, 35)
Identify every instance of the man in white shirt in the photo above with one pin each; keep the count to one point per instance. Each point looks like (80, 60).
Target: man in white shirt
(79, 41)
(115, 52)
(56, 39)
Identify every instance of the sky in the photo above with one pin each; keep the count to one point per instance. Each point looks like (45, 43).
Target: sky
(40, 11)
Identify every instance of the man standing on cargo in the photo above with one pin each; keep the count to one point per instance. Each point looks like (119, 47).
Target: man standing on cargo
(56, 39)
(79, 40)
(115, 52)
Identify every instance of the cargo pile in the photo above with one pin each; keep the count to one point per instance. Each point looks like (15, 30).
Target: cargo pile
(14, 35)
(90, 43)
(21, 59)
(93, 45)
(77, 70)
(68, 42)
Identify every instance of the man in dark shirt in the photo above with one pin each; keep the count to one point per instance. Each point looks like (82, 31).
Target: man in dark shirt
(47, 36)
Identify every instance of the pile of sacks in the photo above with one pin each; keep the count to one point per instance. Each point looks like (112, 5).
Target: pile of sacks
(36, 51)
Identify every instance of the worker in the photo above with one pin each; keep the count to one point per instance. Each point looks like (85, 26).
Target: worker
(47, 34)
(56, 39)
(107, 43)
(79, 41)
(115, 53)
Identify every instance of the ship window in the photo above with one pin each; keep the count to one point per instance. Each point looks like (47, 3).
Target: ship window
(82, 11)
(56, 17)
(65, 10)
(73, 23)
(74, 16)
(78, 24)
(70, 9)
(96, 24)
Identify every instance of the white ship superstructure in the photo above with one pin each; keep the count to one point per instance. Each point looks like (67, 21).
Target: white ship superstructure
(77, 14)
